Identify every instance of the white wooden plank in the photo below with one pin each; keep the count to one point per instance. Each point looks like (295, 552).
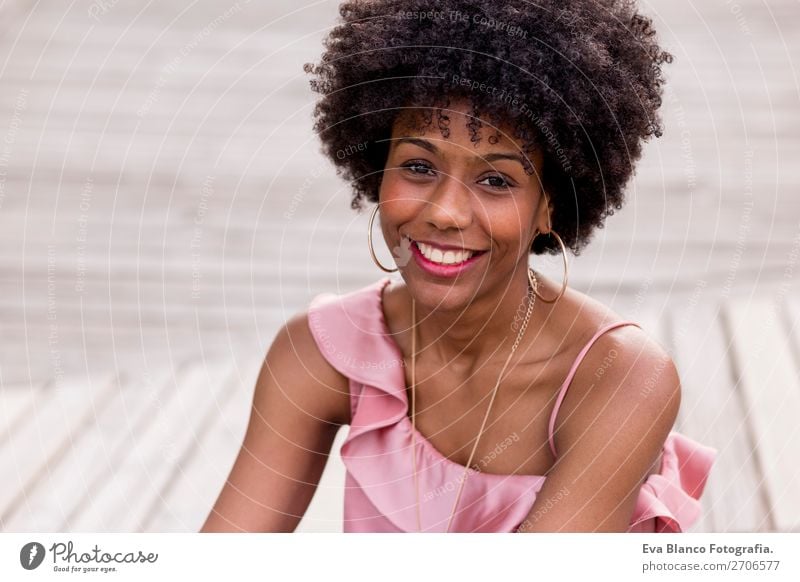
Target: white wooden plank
(142, 475)
(712, 413)
(791, 308)
(192, 494)
(16, 404)
(198, 478)
(62, 413)
(771, 386)
(791, 320)
(83, 470)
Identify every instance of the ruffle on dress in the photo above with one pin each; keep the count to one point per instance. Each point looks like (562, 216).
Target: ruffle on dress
(353, 336)
(671, 497)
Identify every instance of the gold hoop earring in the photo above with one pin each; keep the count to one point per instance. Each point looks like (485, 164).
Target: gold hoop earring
(369, 242)
(566, 268)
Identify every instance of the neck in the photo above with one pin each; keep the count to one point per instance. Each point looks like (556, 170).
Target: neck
(483, 329)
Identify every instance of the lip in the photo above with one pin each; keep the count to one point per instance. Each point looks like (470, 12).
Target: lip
(438, 270)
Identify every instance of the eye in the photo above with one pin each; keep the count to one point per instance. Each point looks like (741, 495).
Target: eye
(498, 182)
(419, 168)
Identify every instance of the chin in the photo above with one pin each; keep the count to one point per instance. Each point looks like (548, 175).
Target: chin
(445, 295)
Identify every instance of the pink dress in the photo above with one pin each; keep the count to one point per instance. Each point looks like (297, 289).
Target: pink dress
(353, 336)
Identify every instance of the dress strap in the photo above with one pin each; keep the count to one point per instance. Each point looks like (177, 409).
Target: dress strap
(563, 391)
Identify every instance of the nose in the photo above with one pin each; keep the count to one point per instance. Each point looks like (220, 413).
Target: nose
(450, 205)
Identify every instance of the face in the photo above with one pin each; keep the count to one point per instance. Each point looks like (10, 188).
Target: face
(459, 216)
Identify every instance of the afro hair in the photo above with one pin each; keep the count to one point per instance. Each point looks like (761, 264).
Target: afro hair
(579, 79)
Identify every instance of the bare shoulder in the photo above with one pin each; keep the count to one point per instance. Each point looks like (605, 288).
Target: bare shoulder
(625, 372)
(629, 341)
(295, 354)
(298, 402)
(627, 354)
(611, 427)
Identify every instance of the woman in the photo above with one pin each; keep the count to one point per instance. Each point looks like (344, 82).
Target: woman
(482, 134)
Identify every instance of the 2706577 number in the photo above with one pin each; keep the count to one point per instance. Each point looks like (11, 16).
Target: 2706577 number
(754, 564)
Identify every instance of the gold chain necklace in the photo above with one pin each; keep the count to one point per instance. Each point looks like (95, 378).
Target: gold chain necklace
(531, 300)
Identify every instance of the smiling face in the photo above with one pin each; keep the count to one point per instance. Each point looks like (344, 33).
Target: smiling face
(460, 215)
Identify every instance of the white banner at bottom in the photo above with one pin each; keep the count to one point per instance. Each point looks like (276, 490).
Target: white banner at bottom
(399, 557)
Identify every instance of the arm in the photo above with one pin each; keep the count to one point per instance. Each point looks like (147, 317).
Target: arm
(609, 434)
(299, 403)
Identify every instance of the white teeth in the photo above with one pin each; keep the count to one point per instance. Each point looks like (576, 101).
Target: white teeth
(447, 258)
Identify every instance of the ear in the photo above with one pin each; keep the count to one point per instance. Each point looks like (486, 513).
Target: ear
(542, 221)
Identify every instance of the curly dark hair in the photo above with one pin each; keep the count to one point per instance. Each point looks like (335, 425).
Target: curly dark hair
(580, 79)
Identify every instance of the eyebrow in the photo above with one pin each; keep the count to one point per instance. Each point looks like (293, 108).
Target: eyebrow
(492, 157)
